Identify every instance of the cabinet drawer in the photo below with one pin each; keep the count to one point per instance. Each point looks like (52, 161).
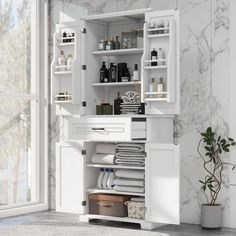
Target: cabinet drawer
(105, 129)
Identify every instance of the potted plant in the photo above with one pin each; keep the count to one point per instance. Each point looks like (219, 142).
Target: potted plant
(214, 147)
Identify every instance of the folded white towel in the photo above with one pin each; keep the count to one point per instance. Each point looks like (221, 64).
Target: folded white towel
(103, 159)
(129, 147)
(105, 148)
(131, 155)
(128, 189)
(133, 162)
(129, 182)
(132, 174)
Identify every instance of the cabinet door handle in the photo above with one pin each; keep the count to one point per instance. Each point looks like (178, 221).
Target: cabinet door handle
(104, 204)
(98, 129)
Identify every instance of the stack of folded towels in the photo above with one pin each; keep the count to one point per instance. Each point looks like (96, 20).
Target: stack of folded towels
(105, 154)
(129, 181)
(131, 103)
(130, 154)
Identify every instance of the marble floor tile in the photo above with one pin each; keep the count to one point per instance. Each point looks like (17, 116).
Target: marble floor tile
(55, 218)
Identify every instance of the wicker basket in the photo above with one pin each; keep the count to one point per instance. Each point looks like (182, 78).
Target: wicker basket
(136, 210)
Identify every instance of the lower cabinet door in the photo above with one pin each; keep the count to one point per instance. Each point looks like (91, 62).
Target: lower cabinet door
(162, 183)
(69, 177)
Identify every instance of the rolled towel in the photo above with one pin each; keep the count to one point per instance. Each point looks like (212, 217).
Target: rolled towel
(131, 174)
(128, 189)
(128, 182)
(137, 199)
(129, 147)
(133, 162)
(105, 148)
(103, 159)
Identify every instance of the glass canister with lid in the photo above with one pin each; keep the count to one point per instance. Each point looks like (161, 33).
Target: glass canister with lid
(139, 37)
(128, 39)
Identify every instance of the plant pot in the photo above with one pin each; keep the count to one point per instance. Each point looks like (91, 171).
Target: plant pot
(211, 216)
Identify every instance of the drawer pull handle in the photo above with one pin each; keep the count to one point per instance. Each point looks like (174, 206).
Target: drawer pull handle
(98, 129)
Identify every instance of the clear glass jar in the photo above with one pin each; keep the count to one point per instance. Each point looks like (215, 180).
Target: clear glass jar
(139, 38)
(128, 39)
(101, 45)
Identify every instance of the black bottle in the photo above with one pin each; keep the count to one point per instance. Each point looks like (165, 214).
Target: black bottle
(117, 104)
(153, 57)
(112, 73)
(104, 73)
(64, 35)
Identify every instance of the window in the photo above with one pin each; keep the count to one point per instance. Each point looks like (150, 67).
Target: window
(22, 102)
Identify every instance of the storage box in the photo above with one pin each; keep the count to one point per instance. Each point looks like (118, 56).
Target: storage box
(108, 204)
(136, 210)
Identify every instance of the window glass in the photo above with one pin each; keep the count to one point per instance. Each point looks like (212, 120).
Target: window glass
(15, 46)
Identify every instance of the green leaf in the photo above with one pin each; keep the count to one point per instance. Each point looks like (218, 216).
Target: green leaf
(209, 130)
(223, 141)
(208, 148)
(208, 154)
(230, 139)
(211, 188)
(219, 138)
(233, 167)
(202, 182)
(233, 144)
(225, 149)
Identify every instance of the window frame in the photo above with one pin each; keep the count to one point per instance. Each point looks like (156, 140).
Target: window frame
(39, 94)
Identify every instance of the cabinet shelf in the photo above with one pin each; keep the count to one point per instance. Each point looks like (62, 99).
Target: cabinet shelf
(131, 51)
(116, 166)
(158, 35)
(61, 102)
(97, 190)
(155, 99)
(155, 67)
(156, 93)
(66, 44)
(116, 84)
(64, 38)
(158, 29)
(63, 72)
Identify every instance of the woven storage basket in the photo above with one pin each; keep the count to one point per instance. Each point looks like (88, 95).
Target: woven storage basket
(136, 210)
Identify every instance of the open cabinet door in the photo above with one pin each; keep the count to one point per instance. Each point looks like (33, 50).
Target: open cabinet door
(70, 177)
(162, 183)
(161, 34)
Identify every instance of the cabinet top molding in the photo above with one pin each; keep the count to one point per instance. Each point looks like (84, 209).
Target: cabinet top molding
(118, 16)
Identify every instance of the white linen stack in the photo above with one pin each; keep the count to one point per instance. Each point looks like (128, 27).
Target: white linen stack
(105, 154)
(131, 154)
(129, 181)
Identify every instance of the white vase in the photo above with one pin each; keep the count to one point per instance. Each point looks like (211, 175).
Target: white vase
(211, 216)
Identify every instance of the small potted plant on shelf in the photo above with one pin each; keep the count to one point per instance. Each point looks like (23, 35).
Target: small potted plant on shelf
(214, 147)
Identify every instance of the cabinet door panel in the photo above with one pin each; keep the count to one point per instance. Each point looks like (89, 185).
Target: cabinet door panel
(69, 178)
(162, 183)
(166, 101)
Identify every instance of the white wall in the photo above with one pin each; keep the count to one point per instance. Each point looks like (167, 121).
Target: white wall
(232, 103)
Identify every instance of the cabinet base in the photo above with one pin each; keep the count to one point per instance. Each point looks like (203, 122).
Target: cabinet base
(146, 225)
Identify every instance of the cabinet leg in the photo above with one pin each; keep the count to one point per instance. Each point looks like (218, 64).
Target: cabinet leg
(150, 225)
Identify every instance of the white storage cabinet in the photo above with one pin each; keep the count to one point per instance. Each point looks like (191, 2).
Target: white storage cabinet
(79, 175)
(76, 175)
